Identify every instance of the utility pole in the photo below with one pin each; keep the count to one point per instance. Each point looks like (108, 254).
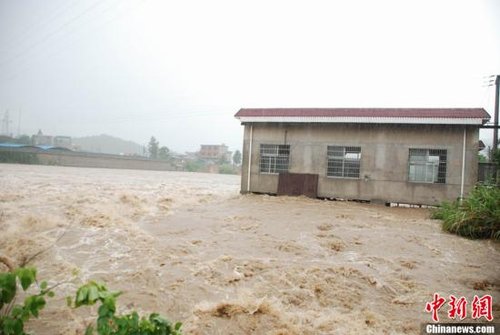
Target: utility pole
(495, 129)
(19, 124)
(5, 123)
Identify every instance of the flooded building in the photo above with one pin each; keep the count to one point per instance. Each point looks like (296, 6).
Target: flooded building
(63, 142)
(41, 139)
(405, 155)
(214, 152)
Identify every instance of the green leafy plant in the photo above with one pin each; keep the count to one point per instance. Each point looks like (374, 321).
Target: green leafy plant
(14, 316)
(477, 216)
(108, 323)
(195, 165)
(495, 156)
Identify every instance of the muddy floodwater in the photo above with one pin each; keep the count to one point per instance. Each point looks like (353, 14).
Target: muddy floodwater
(189, 246)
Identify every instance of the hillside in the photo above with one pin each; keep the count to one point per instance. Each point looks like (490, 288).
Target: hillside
(108, 145)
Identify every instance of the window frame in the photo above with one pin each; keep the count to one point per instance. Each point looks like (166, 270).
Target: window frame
(274, 160)
(331, 158)
(433, 171)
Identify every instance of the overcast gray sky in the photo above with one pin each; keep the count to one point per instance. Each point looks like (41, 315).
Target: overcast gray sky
(180, 70)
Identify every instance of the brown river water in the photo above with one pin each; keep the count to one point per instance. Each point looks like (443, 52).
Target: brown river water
(189, 246)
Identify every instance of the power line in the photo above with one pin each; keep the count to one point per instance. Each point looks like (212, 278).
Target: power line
(38, 27)
(167, 116)
(65, 47)
(49, 35)
(164, 117)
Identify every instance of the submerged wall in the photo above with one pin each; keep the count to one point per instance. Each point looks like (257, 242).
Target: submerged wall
(384, 159)
(84, 159)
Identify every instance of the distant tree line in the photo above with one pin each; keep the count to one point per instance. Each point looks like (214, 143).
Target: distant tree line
(18, 157)
(21, 139)
(237, 158)
(157, 152)
(225, 165)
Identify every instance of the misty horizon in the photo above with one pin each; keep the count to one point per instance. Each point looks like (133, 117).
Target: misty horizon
(179, 71)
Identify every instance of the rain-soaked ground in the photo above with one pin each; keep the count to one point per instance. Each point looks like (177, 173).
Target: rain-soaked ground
(189, 246)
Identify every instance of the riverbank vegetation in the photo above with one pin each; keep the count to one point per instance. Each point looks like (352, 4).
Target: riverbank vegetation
(476, 216)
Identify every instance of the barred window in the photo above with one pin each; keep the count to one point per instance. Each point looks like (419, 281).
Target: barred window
(274, 158)
(427, 166)
(343, 162)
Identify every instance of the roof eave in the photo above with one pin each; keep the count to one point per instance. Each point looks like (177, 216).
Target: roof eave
(362, 120)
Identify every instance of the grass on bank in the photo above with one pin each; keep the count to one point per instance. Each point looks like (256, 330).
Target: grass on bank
(478, 216)
(18, 157)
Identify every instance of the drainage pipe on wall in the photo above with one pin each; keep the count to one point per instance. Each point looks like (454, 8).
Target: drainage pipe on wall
(463, 166)
(249, 158)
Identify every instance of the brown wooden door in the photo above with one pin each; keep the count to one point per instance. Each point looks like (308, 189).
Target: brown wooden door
(298, 184)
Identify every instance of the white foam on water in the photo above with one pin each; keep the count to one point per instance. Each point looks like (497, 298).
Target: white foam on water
(189, 246)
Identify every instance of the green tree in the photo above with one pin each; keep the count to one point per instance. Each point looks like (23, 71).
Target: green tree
(237, 157)
(163, 153)
(495, 156)
(22, 283)
(476, 216)
(153, 148)
(194, 165)
(111, 323)
(227, 169)
(13, 316)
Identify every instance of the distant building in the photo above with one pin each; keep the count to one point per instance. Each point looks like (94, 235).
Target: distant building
(41, 139)
(62, 142)
(214, 152)
(405, 155)
(56, 141)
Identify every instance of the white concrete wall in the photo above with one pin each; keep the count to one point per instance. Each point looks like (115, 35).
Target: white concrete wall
(384, 159)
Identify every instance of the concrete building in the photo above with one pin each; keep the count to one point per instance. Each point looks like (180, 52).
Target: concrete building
(63, 142)
(47, 140)
(409, 155)
(41, 139)
(214, 152)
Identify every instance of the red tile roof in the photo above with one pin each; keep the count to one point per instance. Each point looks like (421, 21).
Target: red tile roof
(473, 113)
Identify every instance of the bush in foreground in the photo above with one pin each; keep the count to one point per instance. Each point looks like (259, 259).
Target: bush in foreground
(478, 216)
(108, 323)
(13, 315)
